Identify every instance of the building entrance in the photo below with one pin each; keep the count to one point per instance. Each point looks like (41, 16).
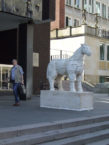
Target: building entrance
(8, 42)
(25, 35)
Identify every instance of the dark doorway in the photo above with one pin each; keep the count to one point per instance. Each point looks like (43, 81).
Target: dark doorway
(8, 51)
(8, 46)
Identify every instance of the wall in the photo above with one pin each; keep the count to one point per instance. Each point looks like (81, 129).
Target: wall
(66, 45)
(94, 67)
(59, 15)
(92, 62)
(19, 7)
(42, 47)
(63, 10)
(75, 13)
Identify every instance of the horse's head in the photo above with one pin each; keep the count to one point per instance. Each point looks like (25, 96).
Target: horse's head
(86, 50)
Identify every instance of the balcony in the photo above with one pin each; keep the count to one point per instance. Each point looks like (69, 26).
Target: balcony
(79, 31)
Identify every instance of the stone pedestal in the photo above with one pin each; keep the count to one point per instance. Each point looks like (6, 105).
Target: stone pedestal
(66, 100)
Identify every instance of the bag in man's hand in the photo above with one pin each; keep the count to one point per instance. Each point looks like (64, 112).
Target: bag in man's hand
(22, 92)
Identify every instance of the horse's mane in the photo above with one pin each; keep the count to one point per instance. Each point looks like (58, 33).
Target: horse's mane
(76, 53)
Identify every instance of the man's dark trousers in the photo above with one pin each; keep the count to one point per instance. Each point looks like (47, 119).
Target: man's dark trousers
(16, 92)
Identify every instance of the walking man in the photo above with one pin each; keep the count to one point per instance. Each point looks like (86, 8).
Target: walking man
(16, 78)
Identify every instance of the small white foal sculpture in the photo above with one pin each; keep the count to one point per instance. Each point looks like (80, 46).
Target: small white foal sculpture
(72, 67)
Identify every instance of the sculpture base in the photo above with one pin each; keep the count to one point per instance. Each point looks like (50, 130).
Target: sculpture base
(66, 100)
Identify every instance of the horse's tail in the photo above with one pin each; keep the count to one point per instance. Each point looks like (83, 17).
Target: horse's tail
(48, 69)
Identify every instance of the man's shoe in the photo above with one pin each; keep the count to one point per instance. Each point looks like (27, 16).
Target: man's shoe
(16, 104)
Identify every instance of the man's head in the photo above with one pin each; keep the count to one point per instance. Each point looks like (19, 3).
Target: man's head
(14, 62)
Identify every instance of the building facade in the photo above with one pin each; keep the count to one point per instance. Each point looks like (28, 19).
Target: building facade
(25, 35)
(90, 11)
(59, 15)
(72, 12)
(86, 21)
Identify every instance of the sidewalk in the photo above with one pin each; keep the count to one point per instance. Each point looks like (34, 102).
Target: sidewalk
(29, 112)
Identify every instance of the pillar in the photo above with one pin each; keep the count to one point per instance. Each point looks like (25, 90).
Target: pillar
(25, 55)
(42, 49)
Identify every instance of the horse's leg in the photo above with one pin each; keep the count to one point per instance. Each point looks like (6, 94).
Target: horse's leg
(51, 82)
(59, 81)
(51, 75)
(72, 78)
(79, 83)
(60, 84)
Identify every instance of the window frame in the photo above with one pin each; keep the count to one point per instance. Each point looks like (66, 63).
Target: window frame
(75, 21)
(90, 2)
(68, 21)
(103, 11)
(69, 2)
(101, 79)
(98, 7)
(77, 3)
(108, 12)
(107, 52)
(102, 56)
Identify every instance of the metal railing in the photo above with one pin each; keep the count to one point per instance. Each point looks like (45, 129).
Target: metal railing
(59, 57)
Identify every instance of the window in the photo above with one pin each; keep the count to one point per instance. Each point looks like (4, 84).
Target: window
(103, 11)
(108, 12)
(90, 2)
(102, 51)
(69, 2)
(92, 6)
(68, 21)
(85, 4)
(108, 52)
(98, 8)
(77, 3)
(76, 23)
(102, 79)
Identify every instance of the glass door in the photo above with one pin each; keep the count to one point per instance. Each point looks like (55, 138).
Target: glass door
(4, 75)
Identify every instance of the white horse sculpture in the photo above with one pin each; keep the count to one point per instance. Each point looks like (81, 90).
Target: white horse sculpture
(72, 67)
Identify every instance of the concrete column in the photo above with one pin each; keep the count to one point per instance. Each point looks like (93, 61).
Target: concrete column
(29, 68)
(25, 55)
